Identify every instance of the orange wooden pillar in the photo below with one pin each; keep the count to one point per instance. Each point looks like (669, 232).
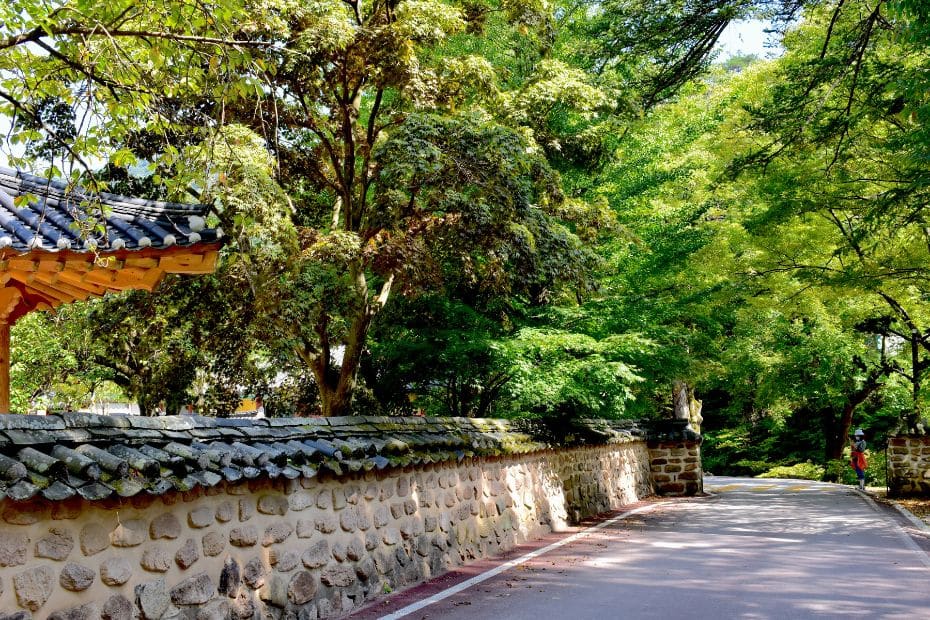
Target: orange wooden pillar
(4, 367)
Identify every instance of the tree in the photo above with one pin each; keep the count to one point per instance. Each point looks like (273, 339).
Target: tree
(408, 141)
(439, 356)
(842, 139)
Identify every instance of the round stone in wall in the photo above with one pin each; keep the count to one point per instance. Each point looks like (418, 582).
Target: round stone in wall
(326, 523)
(272, 505)
(355, 550)
(339, 551)
(225, 512)
(284, 560)
(254, 573)
(348, 519)
(213, 544)
(129, 534)
(338, 576)
(117, 607)
(94, 538)
(202, 517)
(246, 509)
(88, 611)
(76, 577)
(33, 587)
(156, 559)
(56, 546)
(152, 599)
(217, 609)
(301, 501)
(301, 588)
(115, 571)
(317, 555)
(165, 526)
(195, 590)
(230, 578)
(12, 549)
(245, 536)
(277, 532)
(187, 554)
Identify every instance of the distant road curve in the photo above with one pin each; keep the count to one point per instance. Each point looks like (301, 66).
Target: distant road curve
(753, 549)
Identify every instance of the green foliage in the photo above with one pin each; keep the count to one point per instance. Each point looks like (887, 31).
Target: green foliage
(41, 363)
(801, 471)
(746, 467)
(502, 208)
(567, 374)
(437, 355)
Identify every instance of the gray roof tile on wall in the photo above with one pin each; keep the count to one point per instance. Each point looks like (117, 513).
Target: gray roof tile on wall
(96, 457)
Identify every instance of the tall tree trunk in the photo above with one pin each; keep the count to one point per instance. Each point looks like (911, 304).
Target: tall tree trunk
(351, 360)
(916, 370)
(837, 431)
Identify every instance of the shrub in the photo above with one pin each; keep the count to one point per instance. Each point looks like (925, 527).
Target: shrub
(875, 473)
(801, 471)
(748, 467)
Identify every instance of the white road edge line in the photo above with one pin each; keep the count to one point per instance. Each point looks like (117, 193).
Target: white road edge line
(900, 532)
(409, 609)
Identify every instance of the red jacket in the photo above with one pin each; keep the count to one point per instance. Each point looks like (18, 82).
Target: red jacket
(857, 460)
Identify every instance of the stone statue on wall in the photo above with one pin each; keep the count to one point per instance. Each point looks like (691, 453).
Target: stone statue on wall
(686, 406)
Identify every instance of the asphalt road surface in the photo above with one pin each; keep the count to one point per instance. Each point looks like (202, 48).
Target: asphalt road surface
(753, 549)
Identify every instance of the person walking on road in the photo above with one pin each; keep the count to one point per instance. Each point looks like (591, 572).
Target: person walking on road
(857, 456)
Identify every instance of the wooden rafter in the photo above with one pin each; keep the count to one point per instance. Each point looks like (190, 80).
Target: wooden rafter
(42, 280)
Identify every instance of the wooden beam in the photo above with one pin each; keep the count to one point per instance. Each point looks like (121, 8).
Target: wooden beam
(22, 276)
(50, 265)
(102, 277)
(54, 282)
(79, 265)
(145, 280)
(55, 296)
(4, 367)
(21, 264)
(141, 262)
(188, 263)
(77, 279)
(9, 298)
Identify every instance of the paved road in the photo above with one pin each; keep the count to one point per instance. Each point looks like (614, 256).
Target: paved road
(755, 549)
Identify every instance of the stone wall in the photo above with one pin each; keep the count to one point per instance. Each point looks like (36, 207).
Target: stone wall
(306, 547)
(676, 468)
(909, 465)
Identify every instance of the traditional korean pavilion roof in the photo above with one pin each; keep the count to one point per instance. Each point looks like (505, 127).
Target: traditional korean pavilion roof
(46, 259)
(63, 244)
(51, 222)
(98, 457)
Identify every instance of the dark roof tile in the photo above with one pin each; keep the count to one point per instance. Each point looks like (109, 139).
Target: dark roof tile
(95, 491)
(231, 474)
(127, 487)
(31, 422)
(51, 219)
(103, 457)
(22, 490)
(291, 473)
(93, 421)
(58, 491)
(160, 486)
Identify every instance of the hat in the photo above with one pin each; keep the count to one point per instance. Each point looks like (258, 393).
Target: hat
(858, 432)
